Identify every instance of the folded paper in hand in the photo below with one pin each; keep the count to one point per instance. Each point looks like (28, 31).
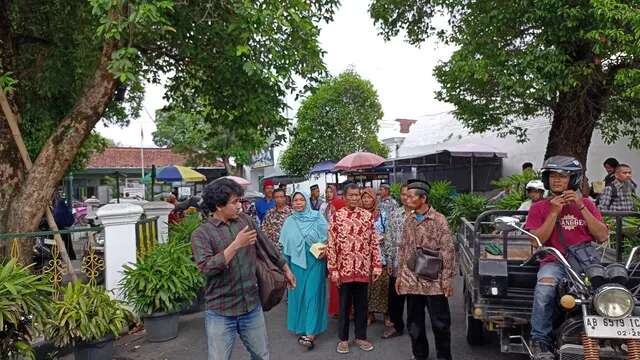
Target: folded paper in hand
(317, 249)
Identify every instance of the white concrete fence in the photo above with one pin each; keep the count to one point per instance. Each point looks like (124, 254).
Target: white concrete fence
(119, 222)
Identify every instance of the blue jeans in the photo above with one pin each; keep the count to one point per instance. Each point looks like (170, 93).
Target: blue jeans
(222, 331)
(545, 301)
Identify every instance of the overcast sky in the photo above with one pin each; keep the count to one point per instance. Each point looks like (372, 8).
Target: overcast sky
(401, 73)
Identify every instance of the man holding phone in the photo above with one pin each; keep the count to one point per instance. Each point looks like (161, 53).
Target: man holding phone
(563, 220)
(224, 251)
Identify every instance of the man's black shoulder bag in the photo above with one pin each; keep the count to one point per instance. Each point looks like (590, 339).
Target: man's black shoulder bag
(579, 256)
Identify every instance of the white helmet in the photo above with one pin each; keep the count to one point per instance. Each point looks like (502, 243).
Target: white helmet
(535, 185)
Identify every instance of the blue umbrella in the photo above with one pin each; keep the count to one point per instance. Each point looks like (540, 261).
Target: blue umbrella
(326, 166)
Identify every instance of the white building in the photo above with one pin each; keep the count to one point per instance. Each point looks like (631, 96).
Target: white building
(442, 130)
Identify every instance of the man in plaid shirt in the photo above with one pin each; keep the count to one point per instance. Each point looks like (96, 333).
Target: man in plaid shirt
(618, 196)
(223, 249)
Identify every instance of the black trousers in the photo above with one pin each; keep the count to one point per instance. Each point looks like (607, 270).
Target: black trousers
(66, 238)
(355, 294)
(438, 307)
(396, 306)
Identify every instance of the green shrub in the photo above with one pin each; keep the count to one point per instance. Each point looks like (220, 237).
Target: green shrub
(24, 305)
(86, 313)
(395, 191)
(516, 182)
(181, 232)
(441, 196)
(512, 201)
(467, 206)
(515, 186)
(164, 281)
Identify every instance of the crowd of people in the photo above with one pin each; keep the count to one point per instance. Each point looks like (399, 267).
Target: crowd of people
(343, 256)
(352, 255)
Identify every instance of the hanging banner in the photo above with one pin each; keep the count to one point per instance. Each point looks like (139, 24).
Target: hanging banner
(264, 158)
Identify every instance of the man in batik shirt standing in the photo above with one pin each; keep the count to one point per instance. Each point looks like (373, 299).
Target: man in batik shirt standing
(275, 218)
(353, 260)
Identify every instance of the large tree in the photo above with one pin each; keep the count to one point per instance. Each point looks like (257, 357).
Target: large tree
(578, 61)
(66, 75)
(340, 116)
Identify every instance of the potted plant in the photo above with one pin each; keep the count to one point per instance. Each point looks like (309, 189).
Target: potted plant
(159, 285)
(86, 318)
(181, 233)
(24, 305)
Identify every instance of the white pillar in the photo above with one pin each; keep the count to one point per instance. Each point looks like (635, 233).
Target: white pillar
(161, 209)
(119, 222)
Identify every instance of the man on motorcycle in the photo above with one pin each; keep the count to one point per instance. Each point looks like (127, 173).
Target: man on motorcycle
(563, 219)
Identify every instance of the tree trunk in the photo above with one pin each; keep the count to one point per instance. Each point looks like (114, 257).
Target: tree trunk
(11, 167)
(24, 196)
(574, 119)
(231, 170)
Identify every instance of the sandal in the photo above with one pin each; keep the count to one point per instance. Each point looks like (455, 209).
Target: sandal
(364, 345)
(343, 347)
(306, 342)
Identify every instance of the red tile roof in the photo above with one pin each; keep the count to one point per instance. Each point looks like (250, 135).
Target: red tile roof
(129, 157)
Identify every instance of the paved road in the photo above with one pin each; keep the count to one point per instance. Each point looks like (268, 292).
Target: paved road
(191, 344)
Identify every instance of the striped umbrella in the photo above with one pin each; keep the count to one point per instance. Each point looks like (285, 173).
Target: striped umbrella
(175, 173)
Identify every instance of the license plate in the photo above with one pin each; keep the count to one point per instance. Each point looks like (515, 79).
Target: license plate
(49, 241)
(600, 327)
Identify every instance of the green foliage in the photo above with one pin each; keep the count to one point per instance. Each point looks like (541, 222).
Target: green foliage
(85, 314)
(516, 60)
(512, 201)
(441, 196)
(180, 233)
(340, 117)
(516, 182)
(54, 62)
(395, 191)
(7, 83)
(467, 206)
(203, 140)
(515, 186)
(254, 51)
(163, 281)
(229, 101)
(24, 305)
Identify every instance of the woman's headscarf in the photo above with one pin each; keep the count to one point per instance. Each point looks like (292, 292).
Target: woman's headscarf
(369, 191)
(302, 228)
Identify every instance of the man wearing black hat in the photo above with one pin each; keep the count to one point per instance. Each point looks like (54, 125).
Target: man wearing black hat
(316, 202)
(427, 229)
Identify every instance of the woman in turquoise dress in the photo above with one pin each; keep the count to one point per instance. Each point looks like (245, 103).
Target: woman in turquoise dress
(307, 302)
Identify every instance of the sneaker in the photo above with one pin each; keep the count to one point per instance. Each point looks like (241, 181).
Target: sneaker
(364, 345)
(343, 347)
(541, 350)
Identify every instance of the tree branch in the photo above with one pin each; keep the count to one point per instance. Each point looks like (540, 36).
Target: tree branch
(22, 39)
(624, 64)
(61, 147)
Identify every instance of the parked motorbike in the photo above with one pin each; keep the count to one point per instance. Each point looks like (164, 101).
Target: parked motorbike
(42, 248)
(602, 318)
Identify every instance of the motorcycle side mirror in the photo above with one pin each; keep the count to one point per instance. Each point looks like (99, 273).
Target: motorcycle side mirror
(506, 223)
